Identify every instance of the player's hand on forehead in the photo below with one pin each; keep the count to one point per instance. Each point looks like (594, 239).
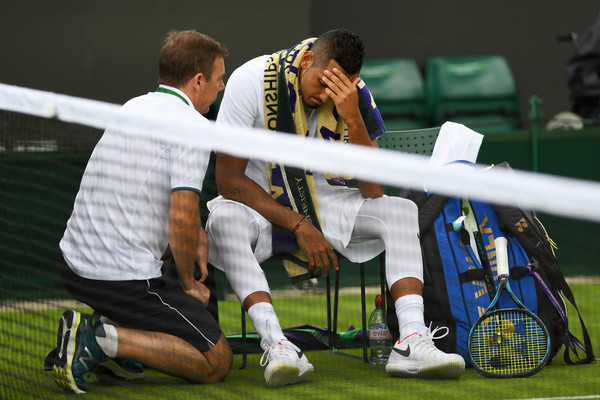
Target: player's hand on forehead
(337, 80)
(342, 91)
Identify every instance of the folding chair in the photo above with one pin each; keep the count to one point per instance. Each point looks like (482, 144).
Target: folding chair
(332, 312)
(412, 141)
(332, 315)
(415, 141)
(419, 141)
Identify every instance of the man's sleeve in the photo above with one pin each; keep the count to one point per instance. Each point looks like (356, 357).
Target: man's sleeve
(242, 97)
(188, 167)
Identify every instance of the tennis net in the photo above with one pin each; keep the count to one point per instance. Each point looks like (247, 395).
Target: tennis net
(46, 140)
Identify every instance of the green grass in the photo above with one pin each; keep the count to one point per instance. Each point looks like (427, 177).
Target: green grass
(27, 336)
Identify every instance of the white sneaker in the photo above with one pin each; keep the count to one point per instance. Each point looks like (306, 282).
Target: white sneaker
(286, 363)
(416, 356)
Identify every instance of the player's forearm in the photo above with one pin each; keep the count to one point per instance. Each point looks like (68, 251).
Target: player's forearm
(248, 192)
(183, 245)
(357, 131)
(233, 184)
(184, 234)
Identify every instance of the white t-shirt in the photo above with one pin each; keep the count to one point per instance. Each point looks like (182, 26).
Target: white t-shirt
(119, 226)
(242, 105)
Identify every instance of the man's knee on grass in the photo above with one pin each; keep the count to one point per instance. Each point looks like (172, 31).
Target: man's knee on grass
(220, 359)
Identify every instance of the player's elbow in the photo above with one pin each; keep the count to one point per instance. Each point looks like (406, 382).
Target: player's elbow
(373, 195)
(226, 183)
(227, 188)
(371, 190)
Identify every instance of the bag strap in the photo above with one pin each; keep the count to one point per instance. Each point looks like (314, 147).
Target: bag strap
(429, 208)
(571, 342)
(539, 250)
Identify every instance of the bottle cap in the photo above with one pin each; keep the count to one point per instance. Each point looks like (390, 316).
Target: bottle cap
(379, 301)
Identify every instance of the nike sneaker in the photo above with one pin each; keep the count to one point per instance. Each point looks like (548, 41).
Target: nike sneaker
(416, 356)
(286, 363)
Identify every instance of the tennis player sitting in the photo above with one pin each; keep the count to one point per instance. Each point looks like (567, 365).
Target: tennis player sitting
(313, 89)
(137, 196)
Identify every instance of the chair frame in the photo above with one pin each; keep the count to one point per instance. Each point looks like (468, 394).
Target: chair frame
(332, 313)
(420, 141)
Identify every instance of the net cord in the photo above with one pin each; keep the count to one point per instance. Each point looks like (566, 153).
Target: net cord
(561, 196)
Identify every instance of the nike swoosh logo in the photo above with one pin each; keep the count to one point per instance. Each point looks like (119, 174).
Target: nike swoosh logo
(299, 353)
(403, 353)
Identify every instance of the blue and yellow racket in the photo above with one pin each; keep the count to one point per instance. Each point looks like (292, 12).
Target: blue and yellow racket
(509, 342)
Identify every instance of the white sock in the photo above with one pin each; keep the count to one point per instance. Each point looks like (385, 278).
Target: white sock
(409, 310)
(108, 339)
(265, 322)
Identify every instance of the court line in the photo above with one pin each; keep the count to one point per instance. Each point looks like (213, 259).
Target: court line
(48, 304)
(592, 396)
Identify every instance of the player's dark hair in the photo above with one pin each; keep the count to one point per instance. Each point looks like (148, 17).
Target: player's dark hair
(186, 53)
(341, 45)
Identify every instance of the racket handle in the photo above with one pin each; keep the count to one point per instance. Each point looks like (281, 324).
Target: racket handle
(501, 256)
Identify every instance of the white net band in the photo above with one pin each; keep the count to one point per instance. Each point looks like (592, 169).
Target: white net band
(556, 195)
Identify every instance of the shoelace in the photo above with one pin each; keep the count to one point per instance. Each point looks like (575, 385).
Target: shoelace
(426, 345)
(264, 360)
(431, 333)
(275, 350)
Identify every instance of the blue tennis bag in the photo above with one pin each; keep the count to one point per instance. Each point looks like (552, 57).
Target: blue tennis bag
(460, 276)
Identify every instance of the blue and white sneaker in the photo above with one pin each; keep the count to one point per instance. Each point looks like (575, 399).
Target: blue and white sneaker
(120, 368)
(416, 356)
(77, 352)
(287, 364)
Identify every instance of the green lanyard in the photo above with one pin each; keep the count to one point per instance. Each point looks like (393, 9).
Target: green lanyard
(164, 90)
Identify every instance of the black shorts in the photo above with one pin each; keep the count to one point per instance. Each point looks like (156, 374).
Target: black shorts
(157, 305)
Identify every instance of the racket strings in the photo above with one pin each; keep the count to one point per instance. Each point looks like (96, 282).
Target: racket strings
(508, 342)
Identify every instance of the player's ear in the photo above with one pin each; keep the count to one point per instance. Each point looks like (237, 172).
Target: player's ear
(308, 58)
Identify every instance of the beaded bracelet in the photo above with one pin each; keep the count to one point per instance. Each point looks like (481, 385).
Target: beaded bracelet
(299, 223)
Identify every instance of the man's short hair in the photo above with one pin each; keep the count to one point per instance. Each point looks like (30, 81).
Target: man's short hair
(186, 53)
(341, 45)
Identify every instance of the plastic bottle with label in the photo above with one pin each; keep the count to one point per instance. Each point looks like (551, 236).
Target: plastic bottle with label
(380, 338)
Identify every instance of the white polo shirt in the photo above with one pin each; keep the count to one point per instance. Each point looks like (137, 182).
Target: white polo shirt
(119, 226)
(243, 105)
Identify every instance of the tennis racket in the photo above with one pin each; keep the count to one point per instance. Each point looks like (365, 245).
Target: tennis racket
(509, 342)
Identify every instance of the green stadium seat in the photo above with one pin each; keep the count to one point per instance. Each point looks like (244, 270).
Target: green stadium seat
(477, 91)
(398, 89)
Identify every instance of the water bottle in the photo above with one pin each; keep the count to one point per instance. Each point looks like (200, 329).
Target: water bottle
(380, 338)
